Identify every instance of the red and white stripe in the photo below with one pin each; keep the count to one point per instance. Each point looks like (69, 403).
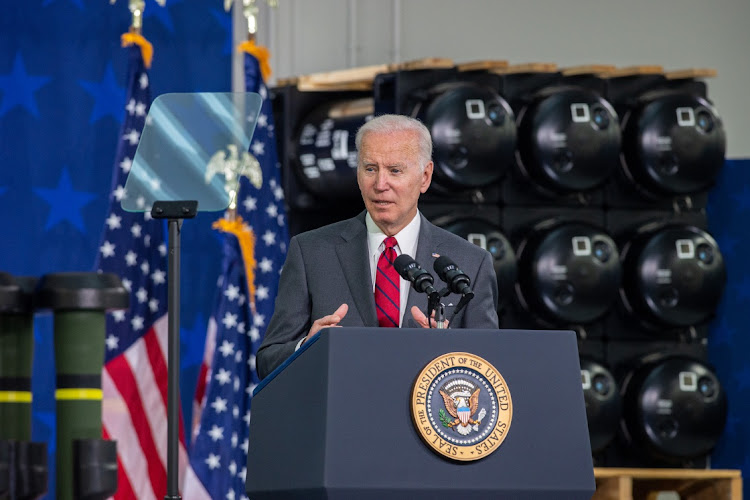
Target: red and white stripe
(134, 413)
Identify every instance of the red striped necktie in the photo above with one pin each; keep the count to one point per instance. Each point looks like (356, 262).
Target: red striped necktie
(387, 286)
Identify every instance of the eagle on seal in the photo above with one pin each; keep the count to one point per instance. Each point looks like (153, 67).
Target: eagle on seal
(461, 406)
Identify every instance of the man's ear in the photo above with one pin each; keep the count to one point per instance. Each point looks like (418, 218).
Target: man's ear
(426, 177)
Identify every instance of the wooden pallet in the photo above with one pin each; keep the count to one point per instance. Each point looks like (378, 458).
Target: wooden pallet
(361, 78)
(646, 484)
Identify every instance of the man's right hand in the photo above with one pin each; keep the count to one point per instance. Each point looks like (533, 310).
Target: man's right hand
(327, 321)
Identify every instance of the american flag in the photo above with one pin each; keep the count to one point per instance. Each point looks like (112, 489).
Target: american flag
(219, 452)
(134, 379)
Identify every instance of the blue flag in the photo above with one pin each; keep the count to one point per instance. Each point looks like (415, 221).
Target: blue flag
(228, 377)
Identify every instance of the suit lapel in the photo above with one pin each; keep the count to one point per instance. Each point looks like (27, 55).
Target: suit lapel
(352, 255)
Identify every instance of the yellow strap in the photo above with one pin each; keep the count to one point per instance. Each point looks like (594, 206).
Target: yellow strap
(147, 50)
(261, 54)
(246, 239)
(72, 394)
(15, 397)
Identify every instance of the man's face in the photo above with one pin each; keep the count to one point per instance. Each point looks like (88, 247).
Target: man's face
(390, 178)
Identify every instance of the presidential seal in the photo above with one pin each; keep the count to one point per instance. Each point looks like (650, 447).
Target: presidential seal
(461, 406)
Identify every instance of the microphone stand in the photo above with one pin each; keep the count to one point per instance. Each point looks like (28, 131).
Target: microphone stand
(434, 304)
(440, 316)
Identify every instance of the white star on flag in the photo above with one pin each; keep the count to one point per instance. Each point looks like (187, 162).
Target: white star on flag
(219, 405)
(269, 237)
(213, 461)
(113, 221)
(223, 376)
(216, 433)
(137, 323)
(265, 265)
(232, 292)
(108, 249)
(131, 258)
(226, 348)
(254, 334)
(230, 320)
(159, 277)
(132, 137)
(112, 342)
(258, 148)
(126, 164)
(119, 193)
(250, 203)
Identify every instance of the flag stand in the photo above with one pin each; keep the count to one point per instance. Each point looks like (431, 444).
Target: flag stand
(174, 212)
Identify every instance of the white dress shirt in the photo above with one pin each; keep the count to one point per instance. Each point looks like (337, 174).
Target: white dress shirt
(407, 240)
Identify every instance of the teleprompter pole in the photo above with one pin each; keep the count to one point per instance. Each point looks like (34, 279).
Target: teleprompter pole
(174, 212)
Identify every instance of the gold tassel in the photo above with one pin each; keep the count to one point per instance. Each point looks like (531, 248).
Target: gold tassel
(246, 239)
(147, 50)
(261, 54)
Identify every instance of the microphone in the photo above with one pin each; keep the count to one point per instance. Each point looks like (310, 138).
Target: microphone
(421, 280)
(456, 279)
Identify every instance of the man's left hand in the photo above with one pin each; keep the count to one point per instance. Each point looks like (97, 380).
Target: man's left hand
(421, 319)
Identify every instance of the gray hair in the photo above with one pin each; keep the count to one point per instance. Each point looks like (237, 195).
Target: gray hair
(399, 123)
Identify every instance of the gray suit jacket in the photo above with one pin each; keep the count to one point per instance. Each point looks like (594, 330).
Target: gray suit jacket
(329, 266)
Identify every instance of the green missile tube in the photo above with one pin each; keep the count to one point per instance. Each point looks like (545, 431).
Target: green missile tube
(16, 356)
(79, 302)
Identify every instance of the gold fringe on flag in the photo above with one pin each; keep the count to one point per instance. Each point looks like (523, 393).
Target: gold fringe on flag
(261, 54)
(147, 50)
(246, 239)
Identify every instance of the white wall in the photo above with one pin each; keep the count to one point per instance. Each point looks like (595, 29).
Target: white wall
(308, 36)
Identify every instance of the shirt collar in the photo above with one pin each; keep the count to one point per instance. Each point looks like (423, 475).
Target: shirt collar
(406, 238)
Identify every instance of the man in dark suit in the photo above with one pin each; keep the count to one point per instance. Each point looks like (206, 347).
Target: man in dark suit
(342, 274)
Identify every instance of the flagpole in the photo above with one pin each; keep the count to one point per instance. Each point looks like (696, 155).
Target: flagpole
(174, 212)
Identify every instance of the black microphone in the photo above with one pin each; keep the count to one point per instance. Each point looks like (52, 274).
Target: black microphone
(456, 279)
(408, 268)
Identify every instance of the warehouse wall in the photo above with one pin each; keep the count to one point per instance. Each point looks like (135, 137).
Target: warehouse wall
(312, 36)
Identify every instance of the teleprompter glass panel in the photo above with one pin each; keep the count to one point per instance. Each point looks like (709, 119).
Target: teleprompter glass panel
(193, 147)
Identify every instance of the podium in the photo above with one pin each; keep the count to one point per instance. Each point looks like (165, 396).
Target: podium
(335, 420)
